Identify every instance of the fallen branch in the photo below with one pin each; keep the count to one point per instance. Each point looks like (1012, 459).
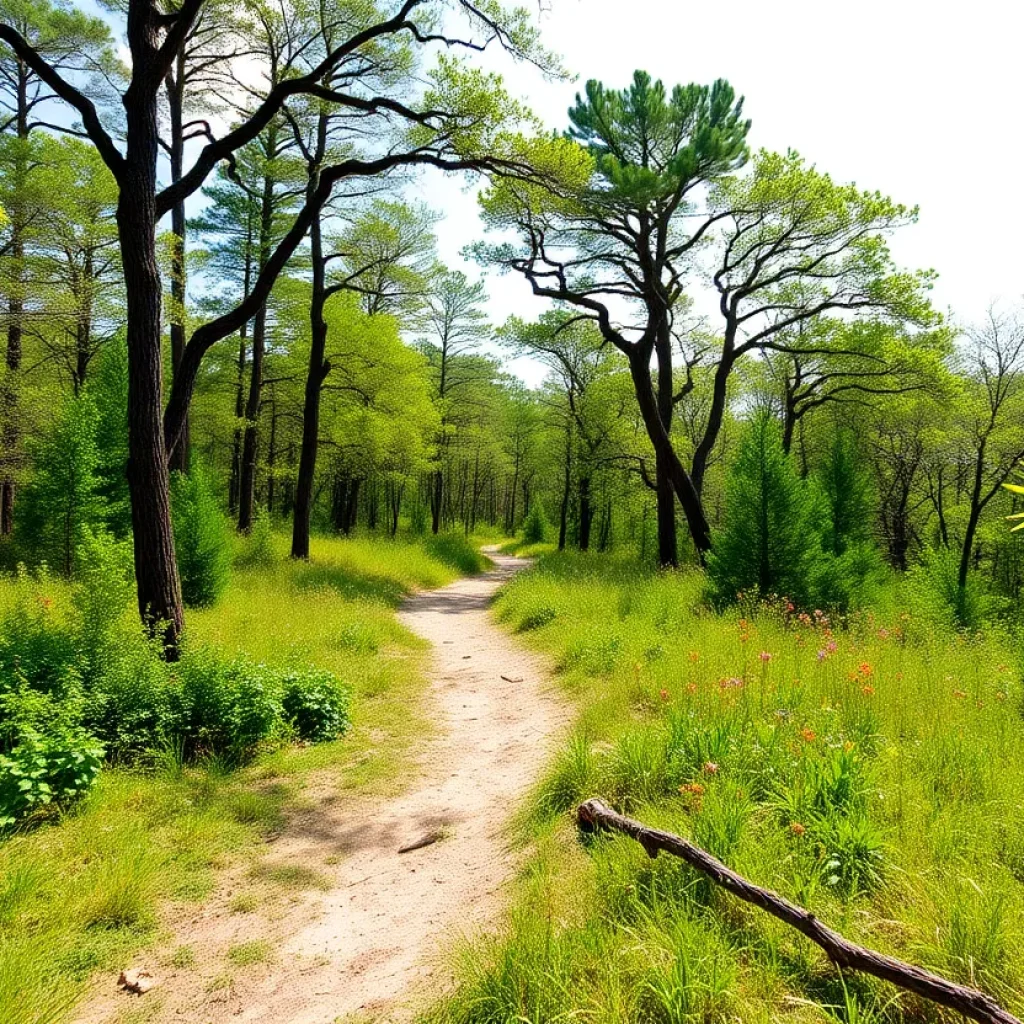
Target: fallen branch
(594, 815)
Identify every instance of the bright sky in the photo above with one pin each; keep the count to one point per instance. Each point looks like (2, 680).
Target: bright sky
(920, 100)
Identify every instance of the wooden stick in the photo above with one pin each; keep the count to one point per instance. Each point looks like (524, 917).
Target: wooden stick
(594, 815)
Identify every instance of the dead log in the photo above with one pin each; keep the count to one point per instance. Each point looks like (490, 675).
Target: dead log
(594, 815)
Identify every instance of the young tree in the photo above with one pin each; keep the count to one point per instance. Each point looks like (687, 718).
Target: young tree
(769, 539)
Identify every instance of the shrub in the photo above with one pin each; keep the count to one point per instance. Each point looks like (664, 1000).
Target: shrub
(535, 526)
(315, 704)
(41, 770)
(201, 539)
(258, 548)
(37, 648)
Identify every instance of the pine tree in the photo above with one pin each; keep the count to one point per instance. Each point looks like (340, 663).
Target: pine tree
(61, 501)
(769, 540)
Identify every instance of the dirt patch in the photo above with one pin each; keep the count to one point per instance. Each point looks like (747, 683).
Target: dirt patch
(365, 936)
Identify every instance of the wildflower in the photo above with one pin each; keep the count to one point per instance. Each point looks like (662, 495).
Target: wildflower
(694, 655)
(733, 682)
(710, 768)
(790, 607)
(692, 788)
(743, 625)
(765, 656)
(959, 694)
(691, 687)
(865, 669)
(744, 638)
(797, 829)
(46, 602)
(822, 655)
(868, 690)
(808, 735)
(664, 694)
(848, 747)
(831, 647)
(883, 634)
(1000, 696)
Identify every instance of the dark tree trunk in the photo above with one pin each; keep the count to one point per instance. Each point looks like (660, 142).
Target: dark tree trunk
(436, 501)
(318, 367)
(234, 482)
(272, 458)
(716, 417)
(250, 436)
(10, 435)
(972, 519)
(563, 512)
(352, 506)
(668, 464)
(156, 572)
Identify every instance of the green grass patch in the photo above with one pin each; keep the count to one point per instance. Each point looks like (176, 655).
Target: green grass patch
(866, 767)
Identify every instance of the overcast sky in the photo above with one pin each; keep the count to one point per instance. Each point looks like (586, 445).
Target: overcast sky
(920, 100)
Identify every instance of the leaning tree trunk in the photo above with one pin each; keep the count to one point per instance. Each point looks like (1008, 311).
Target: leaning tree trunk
(156, 572)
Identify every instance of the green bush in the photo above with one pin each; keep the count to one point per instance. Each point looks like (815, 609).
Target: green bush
(257, 551)
(201, 539)
(536, 527)
(316, 705)
(43, 770)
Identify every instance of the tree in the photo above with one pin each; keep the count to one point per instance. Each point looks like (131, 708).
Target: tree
(462, 125)
(769, 540)
(991, 415)
(71, 43)
(796, 247)
(455, 325)
(621, 235)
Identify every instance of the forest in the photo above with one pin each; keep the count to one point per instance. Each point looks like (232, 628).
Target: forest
(329, 592)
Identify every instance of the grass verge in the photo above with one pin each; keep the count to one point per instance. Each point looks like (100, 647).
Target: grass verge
(866, 768)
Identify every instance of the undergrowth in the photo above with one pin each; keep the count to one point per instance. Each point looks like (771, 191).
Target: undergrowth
(865, 767)
(85, 889)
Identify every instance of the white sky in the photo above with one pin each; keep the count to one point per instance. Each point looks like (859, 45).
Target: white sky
(920, 100)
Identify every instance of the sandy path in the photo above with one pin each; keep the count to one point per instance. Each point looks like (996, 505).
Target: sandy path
(366, 945)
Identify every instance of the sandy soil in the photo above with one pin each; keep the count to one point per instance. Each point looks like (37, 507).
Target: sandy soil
(371, 943)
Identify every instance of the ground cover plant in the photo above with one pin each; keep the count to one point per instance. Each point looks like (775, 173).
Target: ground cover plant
(860, 764)
(296, 655)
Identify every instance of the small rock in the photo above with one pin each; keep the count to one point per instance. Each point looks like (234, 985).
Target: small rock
(136, 980)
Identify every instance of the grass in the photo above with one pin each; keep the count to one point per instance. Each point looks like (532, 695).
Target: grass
(85, 893)
(868, 769)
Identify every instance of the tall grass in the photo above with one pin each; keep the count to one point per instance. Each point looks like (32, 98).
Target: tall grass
(85, 892)
(868, 768)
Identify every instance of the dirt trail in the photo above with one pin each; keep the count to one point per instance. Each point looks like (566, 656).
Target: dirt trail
(367, 945)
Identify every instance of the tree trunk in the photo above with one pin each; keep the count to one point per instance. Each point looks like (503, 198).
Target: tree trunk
(156, 572)
(250, 436)
(716, 417)
(436, 501)
(686, 492)
(563, 513)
